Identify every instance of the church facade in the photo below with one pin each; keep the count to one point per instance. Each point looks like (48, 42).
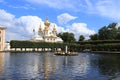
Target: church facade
(46, 34)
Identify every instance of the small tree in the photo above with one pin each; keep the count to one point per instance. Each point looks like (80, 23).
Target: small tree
(81, 38)
(67, 37)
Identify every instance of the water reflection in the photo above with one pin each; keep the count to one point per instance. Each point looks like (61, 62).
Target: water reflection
(1, 63)
(110, 65)
(46, 66)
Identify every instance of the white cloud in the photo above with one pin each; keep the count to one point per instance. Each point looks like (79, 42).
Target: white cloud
(59, 4)
(19, 28)
(15, 36)
(59, 28)
(22, 28)
(105, 8)
(26, 7)
(28, 23)
(65, 18)
(6, 19)
(109, 8)
(80, 29)
(76, 28)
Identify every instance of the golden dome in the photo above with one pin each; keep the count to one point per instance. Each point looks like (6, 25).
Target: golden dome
(47, 23)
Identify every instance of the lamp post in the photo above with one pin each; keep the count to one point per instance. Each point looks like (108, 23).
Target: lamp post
(66, 47)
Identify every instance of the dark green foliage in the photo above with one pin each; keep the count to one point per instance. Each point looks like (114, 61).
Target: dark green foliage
(106, 47)
(100, 45)
(81, 38)
(67, 37)
(94, 37)
(103, 32)
(30, 44)
(110, 32)
(98, 42)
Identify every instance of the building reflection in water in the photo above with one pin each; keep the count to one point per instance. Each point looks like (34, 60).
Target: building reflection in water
(1, 63)
(60, 64)
(42, 65)
(49, 65)
(46, 68)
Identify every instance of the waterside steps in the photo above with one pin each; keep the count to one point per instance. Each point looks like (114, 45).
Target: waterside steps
(66, 54)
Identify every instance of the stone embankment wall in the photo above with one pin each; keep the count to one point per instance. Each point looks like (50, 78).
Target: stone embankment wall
(7, 48)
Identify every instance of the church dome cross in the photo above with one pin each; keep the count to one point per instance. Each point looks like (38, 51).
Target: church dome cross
(47, 23)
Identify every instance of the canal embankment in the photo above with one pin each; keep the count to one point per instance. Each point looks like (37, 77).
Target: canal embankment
(106, 52)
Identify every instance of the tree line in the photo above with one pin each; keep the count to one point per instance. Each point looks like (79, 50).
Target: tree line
(30, 44)
(110, 32)
(76, 46)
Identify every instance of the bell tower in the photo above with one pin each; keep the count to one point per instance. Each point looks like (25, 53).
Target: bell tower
(40, 32)
(54, 31)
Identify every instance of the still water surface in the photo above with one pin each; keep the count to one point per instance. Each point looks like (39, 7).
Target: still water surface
(46, 66)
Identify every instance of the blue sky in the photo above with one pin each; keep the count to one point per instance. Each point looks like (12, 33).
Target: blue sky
(82, 17)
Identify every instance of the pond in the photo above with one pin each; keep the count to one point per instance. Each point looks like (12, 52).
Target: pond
(47, 66)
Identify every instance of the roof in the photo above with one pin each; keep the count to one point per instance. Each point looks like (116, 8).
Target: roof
(2, 28)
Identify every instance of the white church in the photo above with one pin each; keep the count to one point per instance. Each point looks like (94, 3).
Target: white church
(46, 34)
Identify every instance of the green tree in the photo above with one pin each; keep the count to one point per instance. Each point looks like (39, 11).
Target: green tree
(109, 32)
(103, 33)
(94, 37)
(118, 36)
(81, 38)
(112, 25)
(67, 37)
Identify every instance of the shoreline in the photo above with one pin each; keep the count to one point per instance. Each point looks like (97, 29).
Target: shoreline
(101, 52)
(106, 52)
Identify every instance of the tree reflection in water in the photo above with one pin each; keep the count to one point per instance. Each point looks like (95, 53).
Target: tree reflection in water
(109, 65)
